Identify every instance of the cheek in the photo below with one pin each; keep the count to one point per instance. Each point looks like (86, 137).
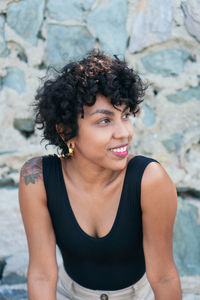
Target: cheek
(100, 138)
(93, 137)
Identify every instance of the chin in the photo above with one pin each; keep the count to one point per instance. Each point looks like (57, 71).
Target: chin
(117, 165)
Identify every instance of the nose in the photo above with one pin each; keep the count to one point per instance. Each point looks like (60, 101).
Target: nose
(121, 130)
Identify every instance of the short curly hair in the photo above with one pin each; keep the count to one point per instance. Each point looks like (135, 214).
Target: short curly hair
(61, 99)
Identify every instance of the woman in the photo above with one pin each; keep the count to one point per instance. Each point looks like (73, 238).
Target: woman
(110, 213)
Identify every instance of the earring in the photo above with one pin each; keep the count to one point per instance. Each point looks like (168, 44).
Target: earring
(71, 150)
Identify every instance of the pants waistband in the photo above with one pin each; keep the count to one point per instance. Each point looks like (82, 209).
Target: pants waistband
(73, 288)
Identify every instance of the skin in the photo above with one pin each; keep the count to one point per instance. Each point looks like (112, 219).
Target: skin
(98, 133)
(32, 171)
(42, 269)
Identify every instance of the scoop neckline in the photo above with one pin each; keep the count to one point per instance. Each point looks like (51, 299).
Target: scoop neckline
(67, 203)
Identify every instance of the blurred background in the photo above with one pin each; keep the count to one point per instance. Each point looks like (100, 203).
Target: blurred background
(161, 40)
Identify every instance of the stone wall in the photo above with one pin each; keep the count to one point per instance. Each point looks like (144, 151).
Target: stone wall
(161, 40)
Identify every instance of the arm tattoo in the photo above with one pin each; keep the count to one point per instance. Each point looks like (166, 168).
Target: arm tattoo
(32, 171)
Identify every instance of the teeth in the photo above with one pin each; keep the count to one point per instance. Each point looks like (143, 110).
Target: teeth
(123, 149)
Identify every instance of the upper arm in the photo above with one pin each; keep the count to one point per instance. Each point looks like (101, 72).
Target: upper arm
(159, 206)
(37, 221)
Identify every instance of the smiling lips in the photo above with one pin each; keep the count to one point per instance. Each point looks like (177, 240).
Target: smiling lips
(122, 151)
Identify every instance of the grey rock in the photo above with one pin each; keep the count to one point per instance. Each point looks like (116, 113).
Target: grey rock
(25, 17)
(149, 118)
(65, 10)
(22, 55)
(191, 296)
(15, 80)
(166, 62)
(1, 83)
(174, 143)
(191, 9)
(6, 181)
(66, 43)
(87, 4)
(13, 278)
(186, 190)
(13, 294)
(3, 46)
(8, 152)
(186, 241)
(25, 126)
(2, 297)
(183, 96)
(152, 21)
(109, 24)
(2, 266)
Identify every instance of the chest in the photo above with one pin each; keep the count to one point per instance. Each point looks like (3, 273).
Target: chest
(95, 213)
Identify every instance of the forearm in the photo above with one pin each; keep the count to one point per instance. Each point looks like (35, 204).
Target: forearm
(167, 289)
(42, 289)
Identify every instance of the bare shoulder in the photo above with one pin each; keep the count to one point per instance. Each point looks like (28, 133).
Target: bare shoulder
(157, 187)
(31, 184)
(155, 173)
(31, 171)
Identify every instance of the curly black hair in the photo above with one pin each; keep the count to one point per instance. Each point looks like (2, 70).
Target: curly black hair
(61, 99)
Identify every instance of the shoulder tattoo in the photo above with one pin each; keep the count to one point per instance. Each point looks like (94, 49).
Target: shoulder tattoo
(31, 171)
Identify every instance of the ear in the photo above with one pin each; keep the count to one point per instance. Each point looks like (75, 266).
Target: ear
(59, 130)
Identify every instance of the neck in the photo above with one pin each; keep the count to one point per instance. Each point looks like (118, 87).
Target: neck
(90, 176)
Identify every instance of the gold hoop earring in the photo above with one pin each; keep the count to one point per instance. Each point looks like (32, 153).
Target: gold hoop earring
(71, 150)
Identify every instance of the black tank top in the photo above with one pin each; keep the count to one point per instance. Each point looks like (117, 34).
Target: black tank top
(114, 261)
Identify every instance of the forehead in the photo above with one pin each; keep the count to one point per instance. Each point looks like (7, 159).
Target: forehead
(102, 102)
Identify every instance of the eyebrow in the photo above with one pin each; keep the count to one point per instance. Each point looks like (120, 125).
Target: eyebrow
(105, 112)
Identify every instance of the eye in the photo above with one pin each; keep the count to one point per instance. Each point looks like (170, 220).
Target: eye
(104, 121)
(127, 115)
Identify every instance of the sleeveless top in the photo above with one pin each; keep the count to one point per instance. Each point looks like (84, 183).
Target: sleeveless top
(111, 262)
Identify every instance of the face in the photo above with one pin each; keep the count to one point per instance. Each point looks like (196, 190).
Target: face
(102, 129)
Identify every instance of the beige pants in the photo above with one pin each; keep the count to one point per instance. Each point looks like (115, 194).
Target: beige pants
(68, 289)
